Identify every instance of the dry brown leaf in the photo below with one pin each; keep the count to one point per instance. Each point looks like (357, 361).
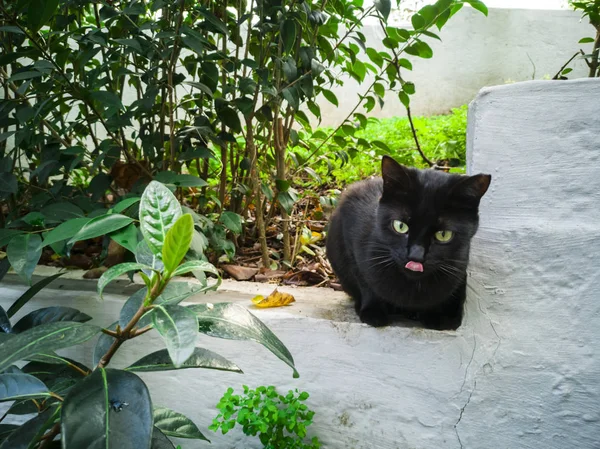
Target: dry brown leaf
(275, 299)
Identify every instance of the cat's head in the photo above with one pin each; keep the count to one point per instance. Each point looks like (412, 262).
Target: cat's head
(428, 218)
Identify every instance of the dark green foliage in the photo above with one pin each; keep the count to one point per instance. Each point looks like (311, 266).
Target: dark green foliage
(100, 407)
(443, 138)
(206, 97)
(590, 9)
(279, 421)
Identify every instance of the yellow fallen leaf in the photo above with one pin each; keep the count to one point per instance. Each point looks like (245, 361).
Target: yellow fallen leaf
(275, 299)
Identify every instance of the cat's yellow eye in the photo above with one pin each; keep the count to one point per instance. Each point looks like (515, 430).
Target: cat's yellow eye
(444, 236)
(400, 227)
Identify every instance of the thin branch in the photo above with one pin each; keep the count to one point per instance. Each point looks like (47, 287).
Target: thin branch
(124, 335)
(414, 133)
(48, 438)
(557, 76)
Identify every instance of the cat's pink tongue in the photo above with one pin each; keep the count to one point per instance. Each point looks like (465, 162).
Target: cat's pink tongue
(414, 266)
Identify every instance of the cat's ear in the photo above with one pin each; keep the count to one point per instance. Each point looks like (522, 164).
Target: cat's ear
(468, 191)
(396, 177)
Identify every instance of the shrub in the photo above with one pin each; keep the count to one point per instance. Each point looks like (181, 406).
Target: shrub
(279, 421)
(65, 393)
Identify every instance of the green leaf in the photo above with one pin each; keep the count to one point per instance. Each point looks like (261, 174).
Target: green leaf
(21, 437)
(21, 386)
(11, 29)
(6, 235)
(174, 293)
(40, 12)
(159, 210)
(53, 374)
(160, 441)
(409, 88)
(126, 203)
(234, 322)
(116, 271)
(101, 225)
(202, 87)
(62, 211)
(288, 34)
(405, 63)
(107, 409)
(30, 293)
(6, 430)
(5, 325)
(132, 305)
(586, 40)
(126, 237)
(26, 75)
(49, 315)
(175, 424)
(421, 49)
(108, 99)
(330, 96)
(179, 328)
(384, 7)
(215, 23)
(131, 43)
(184, 180)
(145, 256)
(291, 96)
(479, 6)
(379, 89)
(8, 183)
(177, 242)
(417, 21)
(4, 136)
(229, 117)
(44, 338)
(231, 221)
(286, 200)
(200, 358)
(65, 231)
(195, 265)
(24, 252)
(404, 99)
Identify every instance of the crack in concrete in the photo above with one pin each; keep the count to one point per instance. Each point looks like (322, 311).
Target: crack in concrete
(468, 365)
(462, 410)
(492, 357)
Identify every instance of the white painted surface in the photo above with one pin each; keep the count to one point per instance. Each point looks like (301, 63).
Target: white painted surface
(535, 266)
(391, 388)
(476, 51)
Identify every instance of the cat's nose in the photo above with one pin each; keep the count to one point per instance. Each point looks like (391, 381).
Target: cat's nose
(416, 253)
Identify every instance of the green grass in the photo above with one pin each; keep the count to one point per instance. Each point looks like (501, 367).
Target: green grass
(441, 137)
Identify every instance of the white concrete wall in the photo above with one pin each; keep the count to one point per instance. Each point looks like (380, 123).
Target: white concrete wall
(477, 51)
(535, 266)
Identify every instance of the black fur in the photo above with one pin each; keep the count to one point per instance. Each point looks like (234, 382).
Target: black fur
(369, 257)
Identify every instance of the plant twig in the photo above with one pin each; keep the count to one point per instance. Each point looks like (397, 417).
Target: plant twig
(48, 438)
(414, 133)
(557, 76)
(124, 335)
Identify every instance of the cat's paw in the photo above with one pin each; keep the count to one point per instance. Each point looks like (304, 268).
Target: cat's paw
(374, 316)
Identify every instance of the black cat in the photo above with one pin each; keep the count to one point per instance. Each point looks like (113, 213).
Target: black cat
(400, 244)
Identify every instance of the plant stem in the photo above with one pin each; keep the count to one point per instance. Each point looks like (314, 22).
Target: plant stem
(595, 55)
(48, 438)
(258, 212)
(557, 76)
(124, 335)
